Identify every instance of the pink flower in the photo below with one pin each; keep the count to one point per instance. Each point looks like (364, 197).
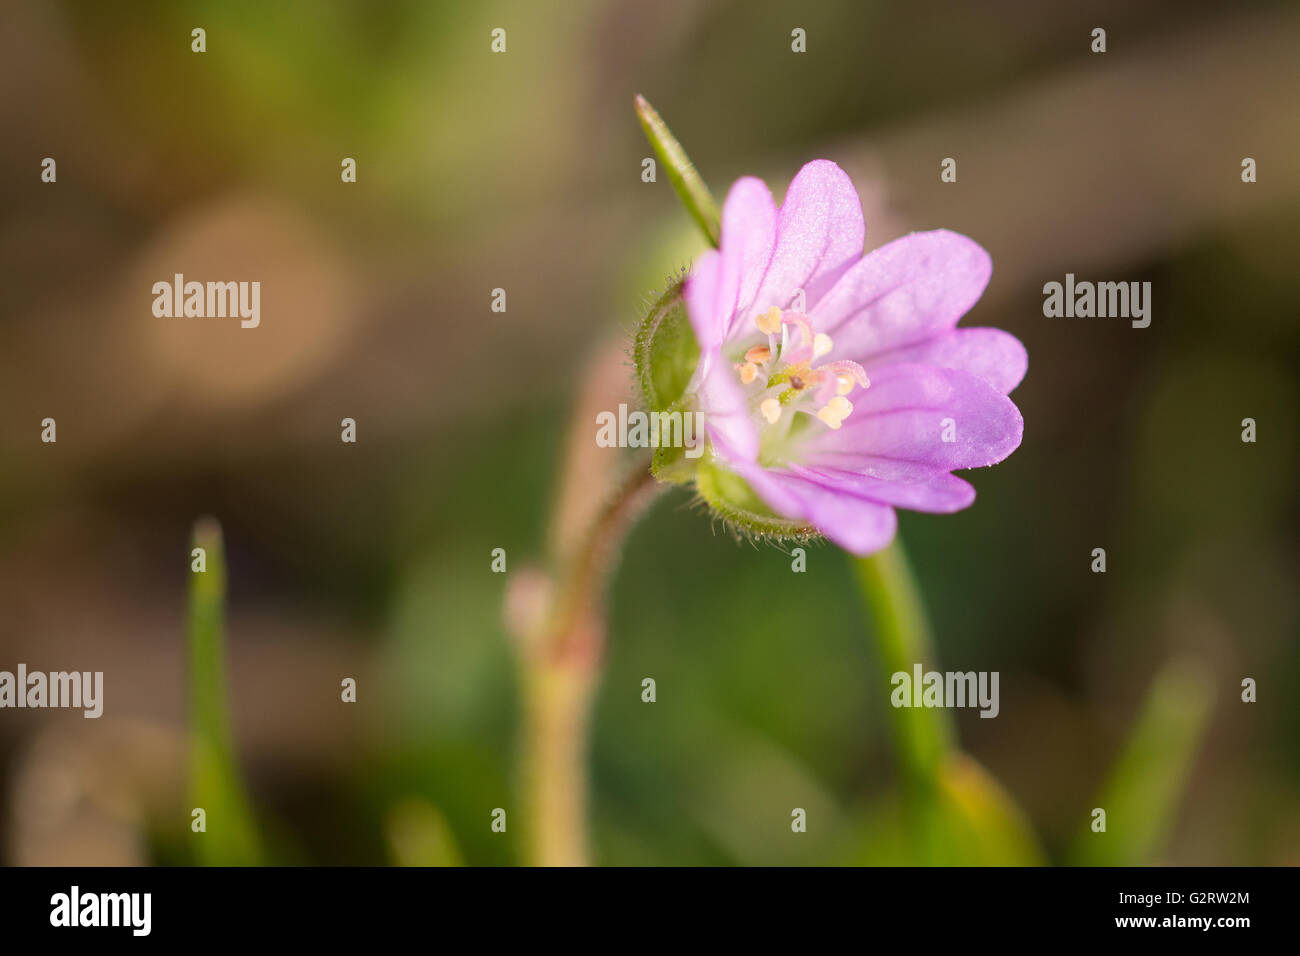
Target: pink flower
(836, 385)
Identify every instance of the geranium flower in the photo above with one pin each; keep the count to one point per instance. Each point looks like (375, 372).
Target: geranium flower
(835, 386)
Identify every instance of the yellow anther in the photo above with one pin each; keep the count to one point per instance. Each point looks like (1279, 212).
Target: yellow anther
(771, 409)
(835, 411)
(769, 322)
(758, 354)
(843, 384)
(829, 417)
(748, 372)
(822, 345)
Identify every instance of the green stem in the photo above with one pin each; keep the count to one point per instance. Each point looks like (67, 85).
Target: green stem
(681, 172)
(558, 698)
(924, 737)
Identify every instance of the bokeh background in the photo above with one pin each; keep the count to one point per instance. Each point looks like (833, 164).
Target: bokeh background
(522, 171)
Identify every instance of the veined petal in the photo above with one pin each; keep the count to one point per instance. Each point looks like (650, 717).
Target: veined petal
(997, 357)
(727, 418)
(907, 414)
(819, 235)
(856, 524)
(903, 293)
(701, 296)
(748, 238)
(937, 492)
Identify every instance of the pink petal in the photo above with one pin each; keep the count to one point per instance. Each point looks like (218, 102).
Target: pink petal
(856, 524)
(819, 235)
(938, 492)
(903, 293)
(701, 296)
(993, 355)
(727, 416)
(903, 416)
(724, 282)
(748, 238)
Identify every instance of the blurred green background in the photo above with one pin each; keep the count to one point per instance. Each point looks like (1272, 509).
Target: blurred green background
(522, 171)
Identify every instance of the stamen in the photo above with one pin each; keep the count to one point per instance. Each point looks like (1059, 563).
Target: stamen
(825, 386)
(769, 322)
(829, 417)
(835, 411)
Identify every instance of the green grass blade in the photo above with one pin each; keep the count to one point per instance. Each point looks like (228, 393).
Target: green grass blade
(231, 837)
(982, 824)
(1146, 784)
(419, 835)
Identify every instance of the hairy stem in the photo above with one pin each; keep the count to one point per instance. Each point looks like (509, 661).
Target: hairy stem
(561, 665)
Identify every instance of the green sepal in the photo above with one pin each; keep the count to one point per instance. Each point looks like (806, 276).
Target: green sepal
(670, 463)
(664, 351)
(731, 498)
(695, 196)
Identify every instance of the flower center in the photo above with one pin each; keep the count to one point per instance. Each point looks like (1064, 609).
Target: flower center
(782, 379)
